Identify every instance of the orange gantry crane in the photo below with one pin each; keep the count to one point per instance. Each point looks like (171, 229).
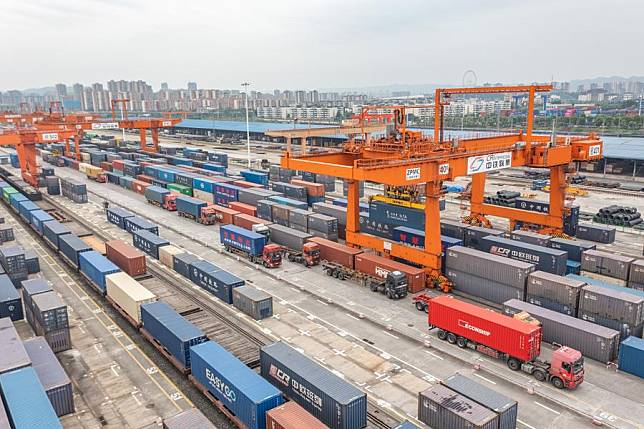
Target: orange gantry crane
(25, 141)
(407, 157)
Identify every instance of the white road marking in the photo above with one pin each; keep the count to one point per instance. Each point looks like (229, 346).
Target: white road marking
(484, 378)
(434, 354)
(547, 408)
(321, 302)
(352, 316)
(391, 335)
(525, 424)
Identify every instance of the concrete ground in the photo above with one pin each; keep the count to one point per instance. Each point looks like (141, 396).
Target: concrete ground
(394, 330)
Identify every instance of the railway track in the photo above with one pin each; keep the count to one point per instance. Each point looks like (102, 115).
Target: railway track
(237, 337)
(599, 189)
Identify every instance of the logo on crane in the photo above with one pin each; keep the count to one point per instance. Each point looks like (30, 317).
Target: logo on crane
(595, 150)
(412, 173)
(491, 162)
(105, 126)
(49, 137)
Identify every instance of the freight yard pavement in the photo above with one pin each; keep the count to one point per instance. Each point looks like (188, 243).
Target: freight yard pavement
(115, 384)
(610, 397)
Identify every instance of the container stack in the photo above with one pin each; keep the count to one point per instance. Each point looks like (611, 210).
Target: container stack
(321, 225)
(51, 321)
(53, 185)
(6, 234)
(556, 293)
(636, 276)
(614, 307)
(14, 263)
(574, 249)
(74, 190)
(443, 408)
(10, 302)
(608, 267)
(484, 275)
(545, 258)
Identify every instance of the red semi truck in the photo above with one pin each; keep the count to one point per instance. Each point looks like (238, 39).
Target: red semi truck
(496, 335)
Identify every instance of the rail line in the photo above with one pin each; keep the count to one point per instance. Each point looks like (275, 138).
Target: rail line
(239, 339)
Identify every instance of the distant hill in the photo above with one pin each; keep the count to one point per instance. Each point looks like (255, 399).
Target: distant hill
(387, 90)
(48, 90)
(603, 79)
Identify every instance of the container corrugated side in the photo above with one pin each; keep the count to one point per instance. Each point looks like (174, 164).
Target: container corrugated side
(10, 301)
(555, 288)
(327, 397)
(442, 408)
(128, 294)
(505, 407)
(492, 267)
(72, 246)
(607, 264)
(96, 266)
(545, 258)
(637, 272)
(167, 253)
(292, 416)
(613, 303)
(631, 356)
(148, 242)
(181, 263)
(592, 340)
(26, 401)
(13, 354)
(253, 302)
(238, 387)
(52, 376)
(189, 419)
(468, 284)
(288, 237)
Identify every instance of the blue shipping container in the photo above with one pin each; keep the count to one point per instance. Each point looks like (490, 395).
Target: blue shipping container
(398, 215)
(53, 230)
(166, 174)
(10, 302)
(25, 208)
(289, 202)
(214, 280)
(181, 263)
(239, 388)
(204, 184)
(631, 356)
(546, 259)
(574, 248)
(228, 190)
(96, 266)
(342, 202)
(72, 246)
(135, 223)
(171, 330)
(573, 267)
(155, 193)
(148, 242)
(26, 402)
(15, 199)
(117, 216)
(214, 167)
(255, 177)
(416, 237)
(242, 239)
(189, 206)
(38, 217)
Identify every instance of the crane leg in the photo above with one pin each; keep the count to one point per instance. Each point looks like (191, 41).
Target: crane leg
(142, 137)
(155, 139)
(353, 209)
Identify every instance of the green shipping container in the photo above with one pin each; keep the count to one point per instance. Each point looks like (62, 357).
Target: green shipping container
(185, 190)
(6, 192)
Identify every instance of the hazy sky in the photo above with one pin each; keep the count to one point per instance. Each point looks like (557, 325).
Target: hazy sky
(315, 43)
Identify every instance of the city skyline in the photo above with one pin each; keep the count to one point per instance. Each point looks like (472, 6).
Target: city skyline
(254, 41)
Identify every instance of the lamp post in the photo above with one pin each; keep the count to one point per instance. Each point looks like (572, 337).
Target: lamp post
(245, 85)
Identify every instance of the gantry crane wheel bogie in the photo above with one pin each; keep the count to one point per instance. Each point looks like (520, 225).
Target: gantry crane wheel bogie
(404, 159)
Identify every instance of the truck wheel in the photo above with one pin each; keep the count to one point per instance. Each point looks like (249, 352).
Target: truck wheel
(451, 338)
(373, 287)
(341, 276)
(265, 264)
(513, 364)
(420, 306)
(461, 342)
(328, 272)
(390, 295)
(539, 375)
(557, 382)
(442, 335)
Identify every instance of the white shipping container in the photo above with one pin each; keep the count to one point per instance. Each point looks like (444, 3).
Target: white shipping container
(203, 195)
(166, 254)
(128, 294)
(85, 157)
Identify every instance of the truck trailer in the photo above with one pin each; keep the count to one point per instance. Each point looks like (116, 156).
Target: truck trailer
(515, 341)
(250, 245)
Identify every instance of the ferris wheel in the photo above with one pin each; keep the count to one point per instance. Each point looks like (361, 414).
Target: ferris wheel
(469, 78)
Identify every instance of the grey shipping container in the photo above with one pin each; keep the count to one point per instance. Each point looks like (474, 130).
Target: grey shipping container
(474, 234)
(251, 196)
(546, 259)
(555, 289)
(288, 237)
(13, 354)
(323, 223)
(299, 219)
(612, 304)
(338, 212)
(50, 311)
(625, 330)
(485, 265)
(599, 233)
(505, 407)
(592, 340)
(442, 408)
(265, 209)
(453, 228)
(281, 214)
(189, 419)
(52, 376)
(606, 264)
(333, 401)
(498, 293)
(530, 237)
(637, 272)
(10, 301)
(573, 247)
(253, 302)
(32, 262)
(6, 234)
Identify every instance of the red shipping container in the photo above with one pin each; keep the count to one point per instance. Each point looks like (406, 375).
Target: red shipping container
(106, 166)
(245, 221)
(336, 252)
(313, 189)
(292, 416)
(126, 257)
(245, 184)
(378, 266)
(243, 208)
(139, 186)
(224, 214)
(144, 164)
(144, 178)
(502, 333)
(117, 164)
